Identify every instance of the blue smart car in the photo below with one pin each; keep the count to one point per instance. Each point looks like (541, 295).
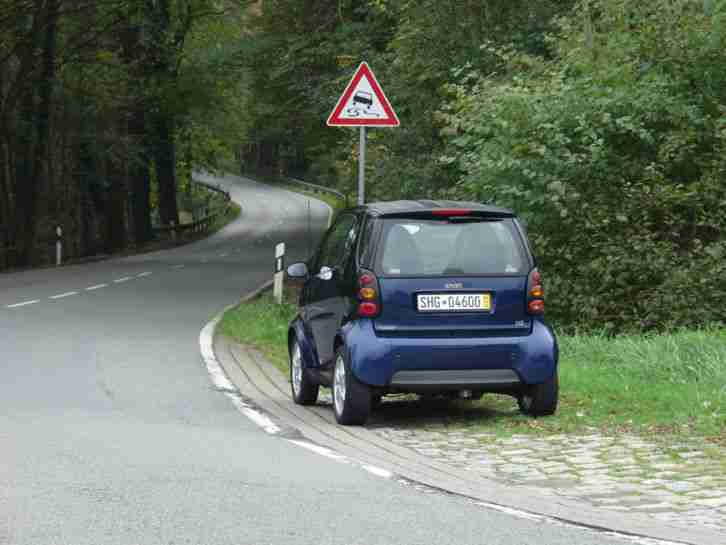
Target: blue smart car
(426, 297)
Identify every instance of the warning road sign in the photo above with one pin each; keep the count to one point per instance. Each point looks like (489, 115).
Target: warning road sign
(363, 104)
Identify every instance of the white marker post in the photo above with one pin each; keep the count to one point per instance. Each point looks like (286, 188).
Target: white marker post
(279, 272)
(363, 104)
(58, 246)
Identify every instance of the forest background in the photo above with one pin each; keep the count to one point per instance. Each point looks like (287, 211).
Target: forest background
(602, 122)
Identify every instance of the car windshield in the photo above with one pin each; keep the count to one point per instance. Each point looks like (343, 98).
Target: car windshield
(444, 248)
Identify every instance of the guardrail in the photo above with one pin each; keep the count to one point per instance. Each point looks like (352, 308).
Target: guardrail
(320, 189)
(8, 253)
(202, 225)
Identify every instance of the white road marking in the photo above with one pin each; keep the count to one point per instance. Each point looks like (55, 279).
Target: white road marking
(144, 274)
(97, 287)
(220, 380)
(378, 471)
(64, 295)
(178, 266)
(122, 280)
(256, 416)
(317, 449)
(223, 255)
(24, 304)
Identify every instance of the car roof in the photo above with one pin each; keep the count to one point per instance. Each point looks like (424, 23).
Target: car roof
(396, 208)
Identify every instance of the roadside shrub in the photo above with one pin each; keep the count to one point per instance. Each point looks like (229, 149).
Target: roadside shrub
(615, 160)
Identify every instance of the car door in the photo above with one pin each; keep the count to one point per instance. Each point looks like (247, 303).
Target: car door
(326, 291)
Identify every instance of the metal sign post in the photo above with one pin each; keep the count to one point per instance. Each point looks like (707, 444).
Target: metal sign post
(363, 104)
(362, 168)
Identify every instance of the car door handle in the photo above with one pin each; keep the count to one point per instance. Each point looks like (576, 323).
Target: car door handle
(326, 273)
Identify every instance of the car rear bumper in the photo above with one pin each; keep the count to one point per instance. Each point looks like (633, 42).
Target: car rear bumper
(487, 363)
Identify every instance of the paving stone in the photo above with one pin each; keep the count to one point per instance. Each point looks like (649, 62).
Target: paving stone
(619, 474)
(680, 486)
(691, 455)
(712, 502)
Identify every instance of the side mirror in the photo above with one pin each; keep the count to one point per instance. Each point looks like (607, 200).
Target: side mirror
(297, 270)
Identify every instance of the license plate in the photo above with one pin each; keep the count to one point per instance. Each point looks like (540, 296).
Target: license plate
(453, 302)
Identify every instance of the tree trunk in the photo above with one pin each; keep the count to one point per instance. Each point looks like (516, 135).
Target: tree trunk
(36, 152)
(139, 176)
(116, 217)
(165, 160)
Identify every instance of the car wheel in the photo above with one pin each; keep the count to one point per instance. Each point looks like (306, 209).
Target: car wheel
(351, 398)
(540, 399)
(304, 390)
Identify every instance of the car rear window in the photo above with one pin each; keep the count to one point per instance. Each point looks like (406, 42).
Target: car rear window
(444, 248)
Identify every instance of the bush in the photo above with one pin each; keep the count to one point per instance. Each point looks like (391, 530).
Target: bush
(616, 162)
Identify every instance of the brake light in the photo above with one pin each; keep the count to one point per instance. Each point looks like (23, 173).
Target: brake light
(451, 212)
(535, 294)
(368, 295)
(368, 310)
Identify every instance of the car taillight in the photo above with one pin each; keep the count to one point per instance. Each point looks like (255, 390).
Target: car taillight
(535, 294)
(368, 295)
(451, 212)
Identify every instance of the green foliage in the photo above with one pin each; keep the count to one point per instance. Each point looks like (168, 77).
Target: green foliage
(262, 324)
(614, 153)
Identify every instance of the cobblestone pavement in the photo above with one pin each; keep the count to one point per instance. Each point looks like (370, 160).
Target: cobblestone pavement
(623, 473)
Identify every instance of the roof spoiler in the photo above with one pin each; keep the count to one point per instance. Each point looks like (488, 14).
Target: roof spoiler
(439, 213)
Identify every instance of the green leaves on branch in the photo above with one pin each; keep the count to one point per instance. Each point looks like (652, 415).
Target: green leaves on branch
(614, 152)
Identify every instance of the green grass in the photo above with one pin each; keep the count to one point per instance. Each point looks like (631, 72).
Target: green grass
(230, 213)
(658, 386)
(262, 324)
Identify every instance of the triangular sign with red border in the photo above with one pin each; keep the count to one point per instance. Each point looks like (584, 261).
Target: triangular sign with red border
(363, 104)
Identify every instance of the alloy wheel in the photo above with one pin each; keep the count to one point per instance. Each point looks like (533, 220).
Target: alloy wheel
(297, 369)
(339, 388)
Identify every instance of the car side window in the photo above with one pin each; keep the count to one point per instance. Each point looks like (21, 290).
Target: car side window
(365, 248)
(338, 243)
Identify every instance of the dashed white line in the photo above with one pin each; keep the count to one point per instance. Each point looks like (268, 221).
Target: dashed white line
(96, 287)
(223, 255)
(64, 295)
(122, 280)
(23, 304)
(144, 274)
(178, 266)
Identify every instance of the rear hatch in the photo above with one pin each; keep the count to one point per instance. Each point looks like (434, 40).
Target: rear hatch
(452, 276)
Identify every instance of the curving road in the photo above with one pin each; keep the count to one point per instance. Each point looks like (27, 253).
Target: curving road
(112, 433)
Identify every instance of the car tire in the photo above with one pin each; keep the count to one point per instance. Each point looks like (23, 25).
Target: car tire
(540, 399)
(351, 398)
(304, 390)
(376, 400)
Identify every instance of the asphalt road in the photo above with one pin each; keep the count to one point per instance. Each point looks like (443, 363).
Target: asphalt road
(112, 433)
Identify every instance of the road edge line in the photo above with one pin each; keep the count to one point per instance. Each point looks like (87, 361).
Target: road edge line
(217, 374)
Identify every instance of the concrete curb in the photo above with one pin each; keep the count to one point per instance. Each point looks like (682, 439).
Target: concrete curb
(263, 384)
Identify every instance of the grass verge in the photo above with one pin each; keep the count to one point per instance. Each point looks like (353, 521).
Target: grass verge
(262, 324)
(659, 386)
